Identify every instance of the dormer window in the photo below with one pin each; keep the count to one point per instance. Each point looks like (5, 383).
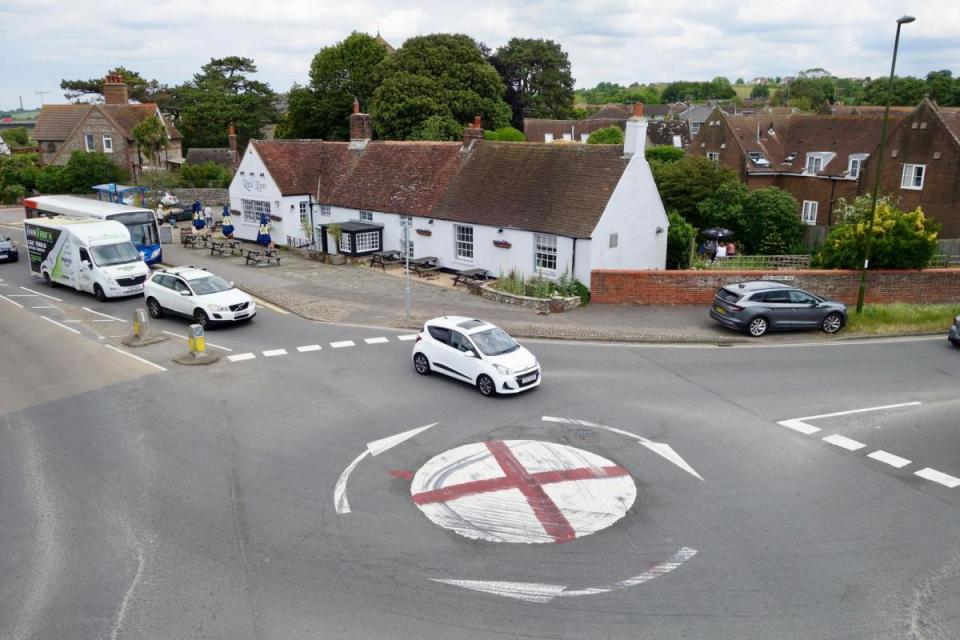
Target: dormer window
(817, 161)
(790, 158)
(855, 164)
(814, 164)
(757, 159)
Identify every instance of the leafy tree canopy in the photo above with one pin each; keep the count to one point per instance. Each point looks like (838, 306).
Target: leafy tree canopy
(223, 93)
(685, 183)
(765, 221)
(901, 239)
(505, 134)
(760, 91)
(338, 74)
(607, 135)
(437, 75)
(611, 92)
(208, 174)
(438, 128)
(16, 137)
(664, 153)
(537, 77)
(680, 238)
(138, 87)
(717, 89)
(151, 137)
(84, 170)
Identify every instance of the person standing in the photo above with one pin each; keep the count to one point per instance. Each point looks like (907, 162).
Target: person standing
(208, 216)
(160, 213)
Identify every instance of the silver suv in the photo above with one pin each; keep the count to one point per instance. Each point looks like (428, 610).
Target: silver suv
(760, 306)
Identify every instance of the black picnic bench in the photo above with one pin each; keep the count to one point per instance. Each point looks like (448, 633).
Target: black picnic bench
(222, 246)
(383, 258)
(425, 265)
(470, 276)
(262, 257)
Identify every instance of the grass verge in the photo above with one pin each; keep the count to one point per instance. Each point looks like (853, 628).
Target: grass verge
(902, 318)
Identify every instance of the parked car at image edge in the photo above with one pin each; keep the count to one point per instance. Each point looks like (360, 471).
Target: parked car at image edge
(954, 334)
(197, 294)
(8, 250)
(476, 352)
(760, 306)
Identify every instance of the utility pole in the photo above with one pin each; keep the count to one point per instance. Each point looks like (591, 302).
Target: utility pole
(406, 255)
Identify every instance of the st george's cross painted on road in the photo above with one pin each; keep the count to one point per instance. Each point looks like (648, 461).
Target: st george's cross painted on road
(525, 491)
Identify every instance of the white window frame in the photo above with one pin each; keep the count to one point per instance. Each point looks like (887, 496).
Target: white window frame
(908, 178)
(253, 208)
(303, 213)
(694, 128)
(463, 242)
(713, 155)
(406, 248)
(678, 142)
(545, 252)
(853, 168)
(368, 241)
(325, 210)
(406, 221)
(366, 216)
(107, 140)
(584, 137)
(89, 143)
(810, 211)
(814, 164)
(548, 137)
(345, 243)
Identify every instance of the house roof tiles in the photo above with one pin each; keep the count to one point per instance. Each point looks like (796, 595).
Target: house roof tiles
(57, 121)
(222, 156)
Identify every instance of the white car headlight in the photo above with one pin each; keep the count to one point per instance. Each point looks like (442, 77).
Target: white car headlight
(217, 307)
(501, 370)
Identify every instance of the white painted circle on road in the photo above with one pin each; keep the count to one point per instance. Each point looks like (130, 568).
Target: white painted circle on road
(526, 491)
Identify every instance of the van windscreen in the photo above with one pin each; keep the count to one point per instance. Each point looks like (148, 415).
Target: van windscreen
(110, 254)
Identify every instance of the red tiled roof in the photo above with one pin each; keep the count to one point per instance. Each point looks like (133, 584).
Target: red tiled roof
(951, 118)
(128, 116)
(56, 121)
(294, 164)
(558, 189)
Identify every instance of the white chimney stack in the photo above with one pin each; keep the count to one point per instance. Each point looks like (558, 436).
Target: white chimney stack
(635, 139)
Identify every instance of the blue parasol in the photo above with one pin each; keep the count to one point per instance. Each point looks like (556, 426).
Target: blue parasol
(226, 226)
(198, 222)
(263, 234)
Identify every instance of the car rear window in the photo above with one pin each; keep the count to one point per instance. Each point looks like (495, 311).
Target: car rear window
(726, 295)
(439, 334)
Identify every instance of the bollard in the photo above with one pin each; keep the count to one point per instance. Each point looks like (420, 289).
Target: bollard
(141, 331)
(196, 341)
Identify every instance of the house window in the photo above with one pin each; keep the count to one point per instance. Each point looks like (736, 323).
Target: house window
(303, 213)
(614, 240)
(324, 210)
(810, 211)
(548, 137)
(694, 128)
(545, 253)
(345, 243)
(913, 176)
(713, 155)
(406, 248)
(464, 242)
(252, 209)
(88, 142)
(368, 241)
(406, 221)
(814, 164)
(853, 170)
(366, 216)
(677, 142)
(107, 144)
(568, 137)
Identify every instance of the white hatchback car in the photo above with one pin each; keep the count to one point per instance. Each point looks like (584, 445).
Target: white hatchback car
(197, 294)
(477, 352)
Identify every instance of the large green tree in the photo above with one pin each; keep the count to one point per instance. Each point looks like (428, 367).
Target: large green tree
(16, 137)
(138, 87)
(611, 92)
(765, 221)
(537, 76)
(223, 93)
(151, 138)
(717, 89)
(907, 91)
(338, 74)
(437, 75)
(685, 183)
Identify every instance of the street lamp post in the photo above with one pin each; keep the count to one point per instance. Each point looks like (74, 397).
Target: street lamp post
(876, 182)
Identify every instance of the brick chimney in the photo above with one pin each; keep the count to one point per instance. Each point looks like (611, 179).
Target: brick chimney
(361, 127)
(635, 139)
(115, 90)
(232, 142)
(472, 132)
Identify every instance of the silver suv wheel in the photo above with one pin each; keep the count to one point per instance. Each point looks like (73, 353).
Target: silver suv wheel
(758, 326)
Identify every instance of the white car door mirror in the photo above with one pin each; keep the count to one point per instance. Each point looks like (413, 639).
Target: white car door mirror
(469, 354)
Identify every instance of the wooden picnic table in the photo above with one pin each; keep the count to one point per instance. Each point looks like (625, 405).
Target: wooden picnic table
(383, 258)
(188, 239)
(467, 276)
(425, 265)
(222, 246)
(262, 257)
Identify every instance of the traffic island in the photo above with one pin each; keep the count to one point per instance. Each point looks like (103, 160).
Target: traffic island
(198, 354)
(141, 336)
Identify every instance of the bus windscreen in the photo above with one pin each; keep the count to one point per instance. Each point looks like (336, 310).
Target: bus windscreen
(142, 226)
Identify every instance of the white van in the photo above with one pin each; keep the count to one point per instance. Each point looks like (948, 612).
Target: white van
(88, 255)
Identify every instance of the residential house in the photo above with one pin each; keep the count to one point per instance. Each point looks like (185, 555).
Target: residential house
(107, 128)
(663, 127)
(499, 206)
(820, 159)
(226, 157)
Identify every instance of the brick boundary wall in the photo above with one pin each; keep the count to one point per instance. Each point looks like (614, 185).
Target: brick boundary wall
(930, 286)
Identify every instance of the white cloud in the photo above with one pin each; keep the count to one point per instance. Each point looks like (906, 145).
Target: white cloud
(615, 40)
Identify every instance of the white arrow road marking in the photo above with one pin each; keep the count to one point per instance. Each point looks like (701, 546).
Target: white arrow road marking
(800, 424)
(42, 294)
(62, 326)
(13, 302)
(374, 448)
(105, 315)
(542, 593)
(662, 449)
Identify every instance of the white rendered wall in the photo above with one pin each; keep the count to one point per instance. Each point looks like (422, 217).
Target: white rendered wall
(255, 183)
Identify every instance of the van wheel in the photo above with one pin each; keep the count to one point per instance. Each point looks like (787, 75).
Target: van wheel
(421, 364)
(485, 386)
(47, 280)
(156, 311)
(200, 317)
(98, 291)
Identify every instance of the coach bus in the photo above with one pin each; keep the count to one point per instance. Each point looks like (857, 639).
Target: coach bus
(142, 223)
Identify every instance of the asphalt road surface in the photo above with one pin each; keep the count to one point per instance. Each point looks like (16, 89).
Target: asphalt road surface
(285, 492)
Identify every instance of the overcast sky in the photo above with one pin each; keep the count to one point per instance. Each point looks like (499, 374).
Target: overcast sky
(626, 41)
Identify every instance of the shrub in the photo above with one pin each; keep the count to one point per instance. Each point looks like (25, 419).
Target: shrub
(505, 134)
(438, 128)
(540, 287)
(664, 153)
(901, 239)
(680, 237)
(84, 170)
(11, 193)
(607, 135)
(208, 174)
(16, 137)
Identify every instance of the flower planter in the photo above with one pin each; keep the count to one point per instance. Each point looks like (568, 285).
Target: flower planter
(424, 232)
(336, 259)
(502, 244)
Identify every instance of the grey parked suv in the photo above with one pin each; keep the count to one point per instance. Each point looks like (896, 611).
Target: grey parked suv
(761, 306)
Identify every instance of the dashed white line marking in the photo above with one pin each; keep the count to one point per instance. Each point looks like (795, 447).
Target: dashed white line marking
(269, 353)
(888, 458)
(375, 340)
(241, 356)
(843, 442)
(409, 336)
(62, 326)
(42, 294)
(130, 355)
(799, 425)
(209, 344)
(14, 302)
(939, 477)
(72, 321)
(101, 320)
(104, 315)
(22, 295)
(47, 306)
(342, 344)
(309, 347)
